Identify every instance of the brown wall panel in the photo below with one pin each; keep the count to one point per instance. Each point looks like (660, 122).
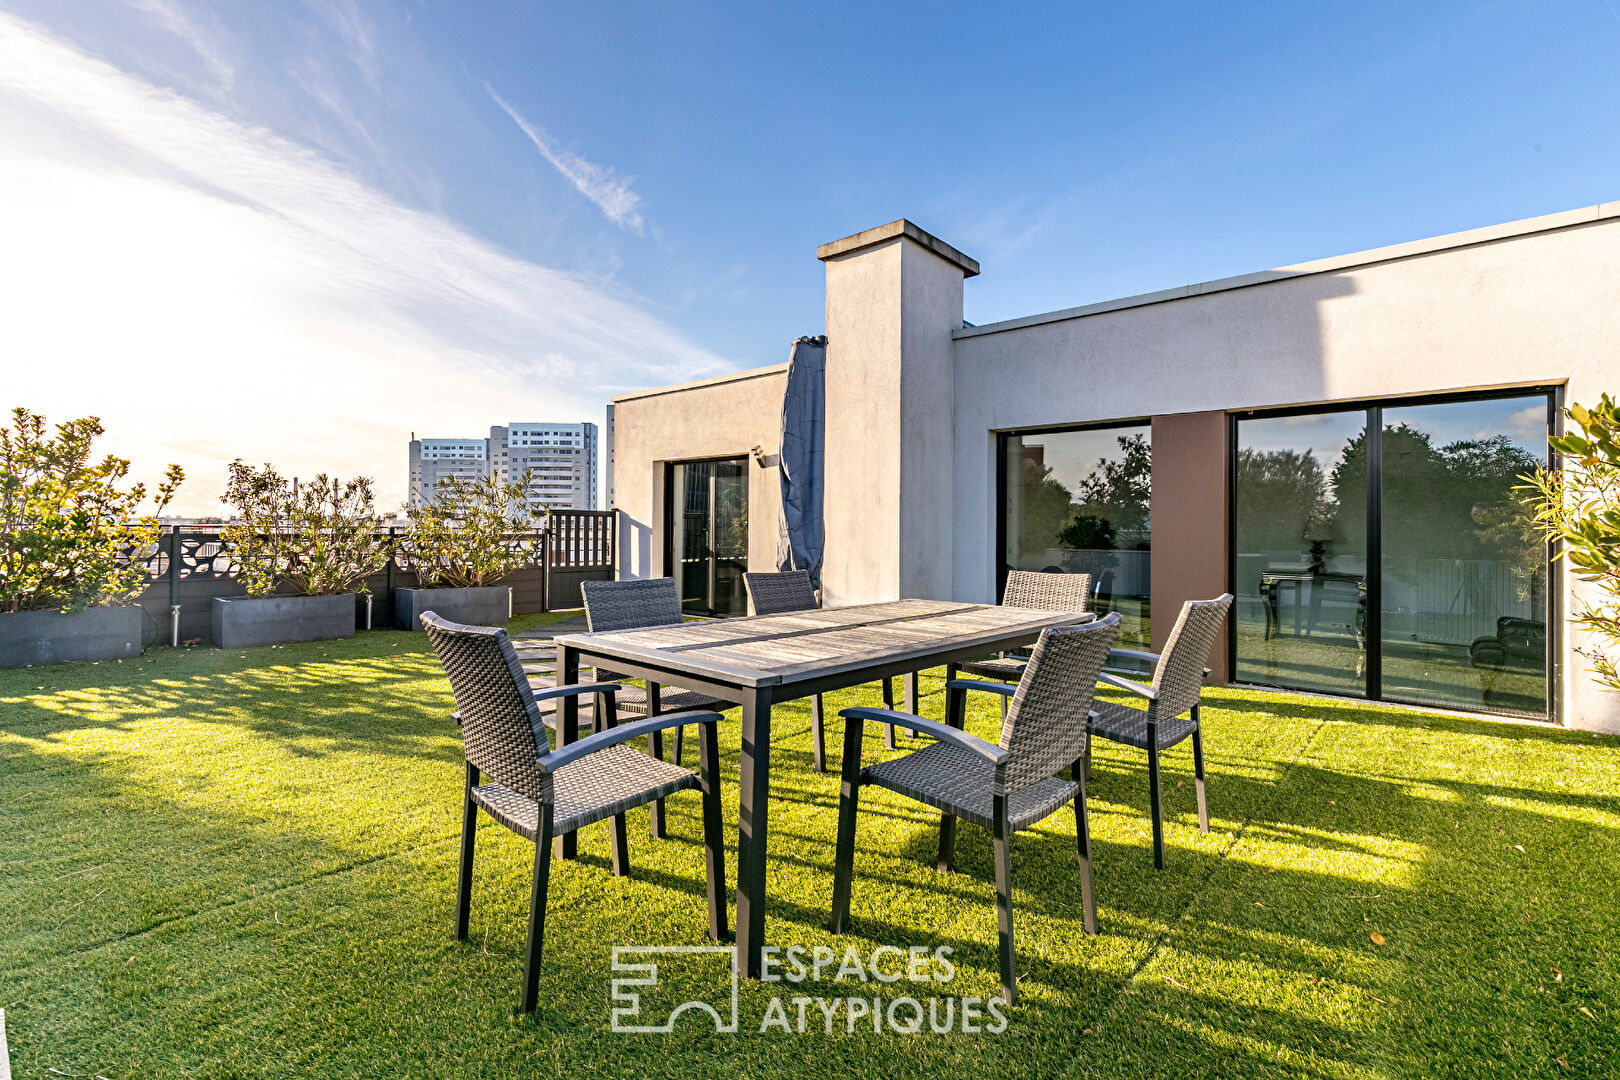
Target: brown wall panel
(1189, 521)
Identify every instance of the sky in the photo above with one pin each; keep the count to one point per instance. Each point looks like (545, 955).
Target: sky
(297, 231)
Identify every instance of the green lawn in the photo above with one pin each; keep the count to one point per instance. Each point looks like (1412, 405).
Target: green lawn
(226, 864)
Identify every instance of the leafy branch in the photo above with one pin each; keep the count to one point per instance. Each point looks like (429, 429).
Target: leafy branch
(67, 526)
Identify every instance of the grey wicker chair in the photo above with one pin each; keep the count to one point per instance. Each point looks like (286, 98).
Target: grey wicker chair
(541, 793)
(1172, 704)
(1031, 589)
(632, 605)
(783, 593)
(1003, 788)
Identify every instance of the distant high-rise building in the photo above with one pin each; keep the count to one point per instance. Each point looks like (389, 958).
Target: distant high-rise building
(607, 443)
(559, 458)
(433, 460)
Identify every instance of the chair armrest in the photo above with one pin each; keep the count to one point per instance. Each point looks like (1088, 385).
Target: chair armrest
(1135, 654)
(546, 693)
(943, 732)
(1004, 689)
(622, 733)
(1128, 684)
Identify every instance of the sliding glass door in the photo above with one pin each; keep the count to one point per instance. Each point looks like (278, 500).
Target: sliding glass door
(1384, 552)
(706, 526)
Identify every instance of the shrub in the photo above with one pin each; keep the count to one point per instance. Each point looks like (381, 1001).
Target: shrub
(465, 537)
(1579, 506)
(321, 538)
(70, 536)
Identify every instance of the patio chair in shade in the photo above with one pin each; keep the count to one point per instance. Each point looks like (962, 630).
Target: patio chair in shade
(1172, 704)
(540, 793)
(1003, 788)
(632, 605)
(1031, 589)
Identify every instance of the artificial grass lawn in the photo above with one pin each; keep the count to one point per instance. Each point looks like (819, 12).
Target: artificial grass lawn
(243, 864)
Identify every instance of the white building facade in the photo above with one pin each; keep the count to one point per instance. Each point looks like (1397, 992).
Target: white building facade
(1335, 443)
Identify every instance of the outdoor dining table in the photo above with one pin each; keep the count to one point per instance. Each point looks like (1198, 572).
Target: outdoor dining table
(761, 660)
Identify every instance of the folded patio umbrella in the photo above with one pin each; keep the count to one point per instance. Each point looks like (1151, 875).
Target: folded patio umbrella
(799, 541)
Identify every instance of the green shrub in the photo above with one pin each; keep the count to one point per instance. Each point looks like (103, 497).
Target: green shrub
(1578, 505)
(323, 537)
(471, 533)
(70, 536)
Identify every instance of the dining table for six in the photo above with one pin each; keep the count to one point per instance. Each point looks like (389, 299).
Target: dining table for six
(762, 660)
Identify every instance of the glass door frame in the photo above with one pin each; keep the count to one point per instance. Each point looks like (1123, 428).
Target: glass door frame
(670, 510)
(1552, 664)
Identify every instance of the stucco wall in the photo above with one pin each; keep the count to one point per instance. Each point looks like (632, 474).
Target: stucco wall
(715, 418)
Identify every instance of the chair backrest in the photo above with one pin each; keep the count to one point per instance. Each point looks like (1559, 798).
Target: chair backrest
(630, 605)
(779, 593)
(501, 728)
(1045, 729)
(1180, 674)
(1052, 592)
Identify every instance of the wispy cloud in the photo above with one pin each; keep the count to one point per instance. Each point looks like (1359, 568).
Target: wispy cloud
(199, 282)
(598, 183)
(173, 18)
(355, 34)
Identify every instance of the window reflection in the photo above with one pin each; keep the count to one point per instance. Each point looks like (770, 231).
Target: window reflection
(1079, 502)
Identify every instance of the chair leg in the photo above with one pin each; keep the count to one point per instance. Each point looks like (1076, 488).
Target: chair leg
(714, 838)
(1087, 758)
(469, 831)
(1157, 807)
(848, 806)
(818, 733)
(1082, 832)
(955, 706)
(619, 845)
(1198, 774)
(537, 911)
(1001, 699)
(1002, 842)
(888, 703)
(680, 745)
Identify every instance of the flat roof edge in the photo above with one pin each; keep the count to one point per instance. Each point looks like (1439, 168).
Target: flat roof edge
(697, 384)
(1565, 219)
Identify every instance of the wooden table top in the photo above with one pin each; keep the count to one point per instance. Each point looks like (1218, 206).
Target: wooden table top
(762, 650)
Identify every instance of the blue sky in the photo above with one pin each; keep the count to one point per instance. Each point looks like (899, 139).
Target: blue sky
(355, 218)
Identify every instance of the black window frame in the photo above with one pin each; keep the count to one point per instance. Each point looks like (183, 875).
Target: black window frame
(1002, 436)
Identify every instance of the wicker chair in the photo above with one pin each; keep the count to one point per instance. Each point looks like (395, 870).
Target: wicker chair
(782, 594)
(632, 605)
(1172, 704)
(1031, 589)
(539, 794)
(1002, 788)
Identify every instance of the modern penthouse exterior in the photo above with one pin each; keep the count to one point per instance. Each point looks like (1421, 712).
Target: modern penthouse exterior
(559, 458)
(1336, 443)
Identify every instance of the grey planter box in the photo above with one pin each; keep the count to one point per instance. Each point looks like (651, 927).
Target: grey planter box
(490, 605)
(50, 637)
(277, 620)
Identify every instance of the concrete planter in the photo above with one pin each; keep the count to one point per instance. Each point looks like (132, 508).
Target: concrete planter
(490, 605)
(278, 620)
(50, 637)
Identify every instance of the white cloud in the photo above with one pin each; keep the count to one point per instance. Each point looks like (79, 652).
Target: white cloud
(212, 290)
(598, 183)
(169, 15)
